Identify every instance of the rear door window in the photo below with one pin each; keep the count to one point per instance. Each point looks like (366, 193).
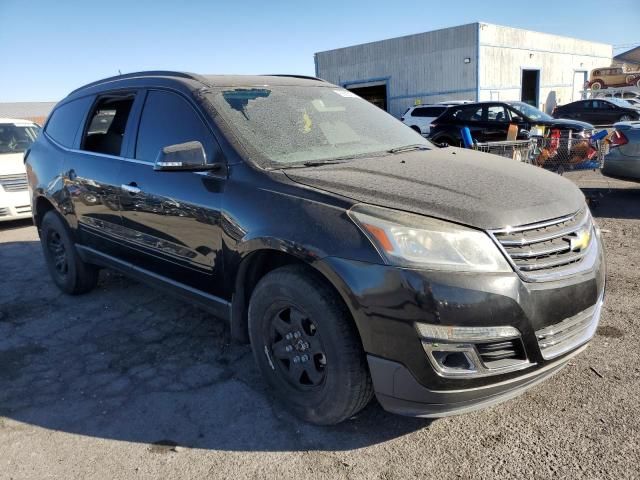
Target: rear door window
(65, 121)
(168, 119)
(107, 123)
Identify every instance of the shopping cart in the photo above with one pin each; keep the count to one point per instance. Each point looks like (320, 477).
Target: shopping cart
(561, 154)
(518, 150)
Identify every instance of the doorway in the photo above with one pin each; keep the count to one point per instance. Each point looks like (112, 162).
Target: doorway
(579, 80)
(530, 91)
(376, 94)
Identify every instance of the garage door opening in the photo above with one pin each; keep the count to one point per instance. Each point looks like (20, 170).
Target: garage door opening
(375, 94)
(530, 87)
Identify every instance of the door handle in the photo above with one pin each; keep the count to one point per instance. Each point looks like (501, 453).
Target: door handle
(132, 188)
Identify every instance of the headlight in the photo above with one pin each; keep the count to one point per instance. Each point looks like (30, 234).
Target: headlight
(410, 240)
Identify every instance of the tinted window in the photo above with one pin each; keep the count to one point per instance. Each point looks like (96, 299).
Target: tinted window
(66, 119)
(468, 114)
(168, 119)
(107, 124)
(427, 112)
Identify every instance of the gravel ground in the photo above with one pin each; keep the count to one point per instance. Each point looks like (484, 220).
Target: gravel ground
(126, 383)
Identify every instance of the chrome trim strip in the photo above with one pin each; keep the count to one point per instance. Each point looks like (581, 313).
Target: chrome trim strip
(543, 238)
(534, 226)
(576, 336)
(553, 263)
(537, 253)
(87, 152)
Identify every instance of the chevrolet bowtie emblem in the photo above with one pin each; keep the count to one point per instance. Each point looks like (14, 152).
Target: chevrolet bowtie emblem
(580, 241)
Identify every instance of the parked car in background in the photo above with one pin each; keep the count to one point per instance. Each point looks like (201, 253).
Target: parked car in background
(612, 77)
(598, 111)
(420, 117)
(16, 136)
(623, 159)
(351, 253)
(489, 122)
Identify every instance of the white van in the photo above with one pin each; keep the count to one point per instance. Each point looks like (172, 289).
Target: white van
(15, 138)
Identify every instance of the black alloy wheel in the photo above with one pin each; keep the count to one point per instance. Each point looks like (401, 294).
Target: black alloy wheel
(297, 348)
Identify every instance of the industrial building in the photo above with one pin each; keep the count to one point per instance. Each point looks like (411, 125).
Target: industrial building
(478, 61)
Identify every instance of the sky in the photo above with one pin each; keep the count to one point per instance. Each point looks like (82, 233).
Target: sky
(48, 48)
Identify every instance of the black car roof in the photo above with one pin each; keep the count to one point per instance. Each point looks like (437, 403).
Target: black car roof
(190, 79)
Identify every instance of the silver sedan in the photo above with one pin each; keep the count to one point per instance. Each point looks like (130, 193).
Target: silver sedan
(623, 159)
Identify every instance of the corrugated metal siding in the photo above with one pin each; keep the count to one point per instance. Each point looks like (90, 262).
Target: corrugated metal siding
(427, 66)
(505, 51)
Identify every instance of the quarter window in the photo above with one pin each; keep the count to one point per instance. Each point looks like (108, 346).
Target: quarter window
(168, 119)
(66, 120)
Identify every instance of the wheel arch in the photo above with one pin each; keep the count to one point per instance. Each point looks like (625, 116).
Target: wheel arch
(257, 264)
(41, 206)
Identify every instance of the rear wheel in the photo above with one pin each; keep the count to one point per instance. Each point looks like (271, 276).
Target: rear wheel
(306, 346)
(625, 118)
(417, 129)
(68, 271)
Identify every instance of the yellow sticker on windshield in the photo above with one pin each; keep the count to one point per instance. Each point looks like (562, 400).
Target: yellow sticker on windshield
(307, 123)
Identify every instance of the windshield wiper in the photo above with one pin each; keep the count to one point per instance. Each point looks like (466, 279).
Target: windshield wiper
(406, 148)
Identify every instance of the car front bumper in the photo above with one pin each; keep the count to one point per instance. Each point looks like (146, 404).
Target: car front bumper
(387, 302)
(14, 205)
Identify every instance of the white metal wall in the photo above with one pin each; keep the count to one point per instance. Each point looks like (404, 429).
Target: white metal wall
(505, 51)
(428, 67)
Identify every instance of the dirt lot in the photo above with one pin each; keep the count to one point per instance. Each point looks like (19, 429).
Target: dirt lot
(126, 383)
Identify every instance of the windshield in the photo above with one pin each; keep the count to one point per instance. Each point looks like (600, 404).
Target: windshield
(16, 138)
(619, 102)
(532, 112)
(286, 125)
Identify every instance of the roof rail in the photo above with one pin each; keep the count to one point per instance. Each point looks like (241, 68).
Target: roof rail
(150, 73)
(304, 77)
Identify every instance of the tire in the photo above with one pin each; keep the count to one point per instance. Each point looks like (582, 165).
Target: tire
(68, 271)
(638, 82)
(625, 118)
(597, 85)
(294, 313)
(417, 129)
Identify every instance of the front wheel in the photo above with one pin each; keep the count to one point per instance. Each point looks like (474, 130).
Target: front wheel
(68, 271)
(307, 347)
(597, 85)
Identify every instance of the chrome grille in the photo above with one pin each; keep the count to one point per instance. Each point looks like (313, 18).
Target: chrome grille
(548, 249)
(570, 333)
(4, 212)
(14, 183)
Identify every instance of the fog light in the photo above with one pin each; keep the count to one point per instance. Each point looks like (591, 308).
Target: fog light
(453, 360)
(455, 351)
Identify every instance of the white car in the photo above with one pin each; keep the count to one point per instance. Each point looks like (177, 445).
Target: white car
(15, 138)
(420, 117)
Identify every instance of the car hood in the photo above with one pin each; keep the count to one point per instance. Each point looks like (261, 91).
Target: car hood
(11, 163)
(463, 186)
(566, 123)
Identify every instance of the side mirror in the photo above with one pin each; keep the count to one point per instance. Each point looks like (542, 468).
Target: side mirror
(185, 157)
